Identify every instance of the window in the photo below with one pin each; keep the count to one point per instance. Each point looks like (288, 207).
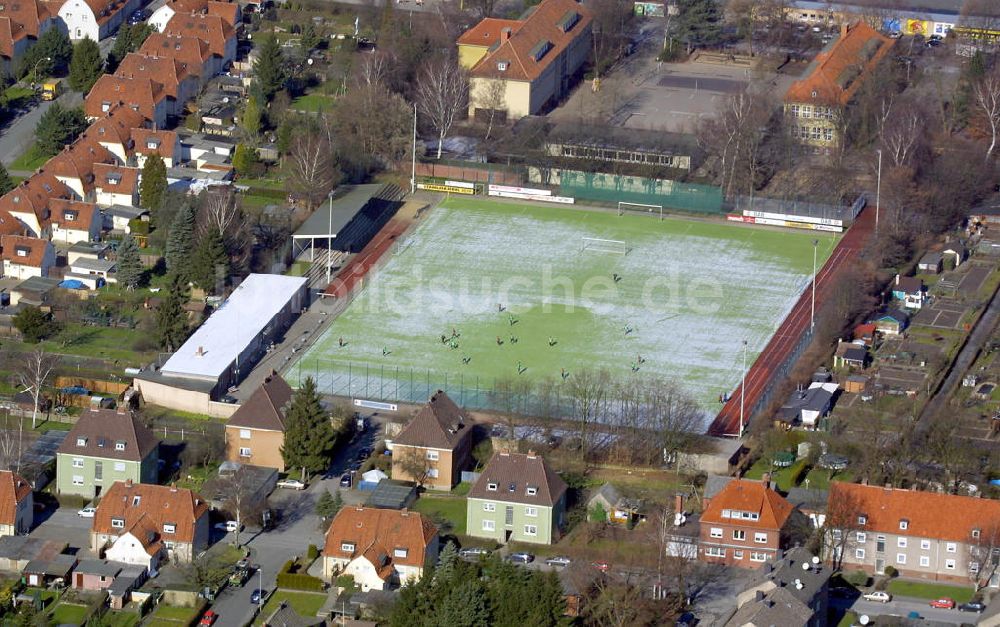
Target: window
(531, 490)
(244, 451)
(727, 513)
(714, 551)
(118, 523)
(531, 511)
(492, 487)
(949, 564)
(859, 554)
(244, 434)
(489, 525)
(119, 466)
(400, 552)
(973, 567)
(861, 536)
(925, 561)
(901, 543)
(347, 546)
(530, 530)
(900, 558)
(739, 534)
(951, 547)
(828, 134)
(862, 520)
(81, 441)
(101, 442)
(98, 471)
(757, 556)
(715, 532)
(489, 507)
(975, 533)
(120, 445)
(135, 500)
(738, 554)
(77, 462)
(760, 537)
(169, 527)
(432, 455)
(432, 473)
(77, 479)
(903, 524)
(170, 545)
(925, 545)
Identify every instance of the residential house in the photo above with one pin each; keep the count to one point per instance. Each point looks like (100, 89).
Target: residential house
(17, 504)
(116, 185)
(891, 321)
(380, 548)
(791, 591)
(864, 334)
(212, 29)
(229, 11)
(189, 49)
(26, 257)
(923, 535)
(435, 447)
(931, 263)
(88, 250)
(806, 407)
(113, 132)
(179, 82)
(105, 446)
(72, 221)
(28, 203)
(93, 273)
(850, 355)
(95, 19)
(143, 523)
(21, 24)
(140, 94)
(74, 165)
(910, 291)
(815, 105)
(743, 525)
(146, 142)
(519, 498)
(93, 574)
(255, 434)
(533, 61)
(617, 509)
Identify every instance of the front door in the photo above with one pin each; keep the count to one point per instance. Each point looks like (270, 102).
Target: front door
(879, 566)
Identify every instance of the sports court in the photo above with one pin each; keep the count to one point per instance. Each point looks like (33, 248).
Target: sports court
(485, 290)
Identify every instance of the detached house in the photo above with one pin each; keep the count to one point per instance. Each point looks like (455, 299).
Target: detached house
(17, 504)
(26, 257)
(95, 19)
(910, 291)
(103, 447)
(73, 221)
(743, 524)
(229, 11)
(380, 548)
(923, 535)
(28, 203)
(517, 498)
(142, 524)
(255, 434)
(435, 447)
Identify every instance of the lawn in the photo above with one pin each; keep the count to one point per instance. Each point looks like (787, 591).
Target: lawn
(929, 591)
(306, 604)
(819, 478)
(450, 508)
(108, 343)
(313, 103)
(175, 613)
(782, 476)
(515, 294)
(195, 478)
(120, 619)
(69, 614)
(31, 159)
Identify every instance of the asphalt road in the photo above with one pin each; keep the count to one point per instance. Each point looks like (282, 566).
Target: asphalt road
(902, 606)
(20, 133)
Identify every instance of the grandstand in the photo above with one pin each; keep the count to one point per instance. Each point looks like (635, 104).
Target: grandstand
(347, 222)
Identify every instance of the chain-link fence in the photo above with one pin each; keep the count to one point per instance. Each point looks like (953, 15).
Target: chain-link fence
(615, 188)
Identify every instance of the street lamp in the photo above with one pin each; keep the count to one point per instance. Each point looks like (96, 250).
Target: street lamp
(34, 70)
(329, 239)
(812, 315)
(743, 388)
(878, 189)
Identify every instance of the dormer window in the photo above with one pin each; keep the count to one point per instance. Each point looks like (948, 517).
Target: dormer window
(347, 546)
(502, 66)
(105, 106)
(81, 441)
(135, 500)
(101, 442)
(904, 524)
(492, 487)
(114, 179)
(118, 523)
(975, 533)
(399, 552)
(69, 216)
(120, 445)
(169, 528)
(152, 144)
(862, 520)
(21, 251)
(531, 490)
(512, 487)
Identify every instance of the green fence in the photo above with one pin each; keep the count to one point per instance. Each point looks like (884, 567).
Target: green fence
(615, 188)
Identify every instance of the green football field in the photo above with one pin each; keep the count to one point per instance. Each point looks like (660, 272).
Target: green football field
(515, 293)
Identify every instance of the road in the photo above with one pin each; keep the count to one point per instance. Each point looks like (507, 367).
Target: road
(20, 132)
(902, 606)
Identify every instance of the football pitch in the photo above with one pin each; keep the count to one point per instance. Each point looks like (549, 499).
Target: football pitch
(482, 291)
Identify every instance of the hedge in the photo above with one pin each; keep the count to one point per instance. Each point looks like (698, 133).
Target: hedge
(306, 583)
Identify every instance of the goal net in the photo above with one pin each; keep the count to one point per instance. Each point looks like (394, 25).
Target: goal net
(638, 206)
(611, 246)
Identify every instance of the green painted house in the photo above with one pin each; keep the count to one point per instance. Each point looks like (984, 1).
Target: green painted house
(103, 447)
(517, 497)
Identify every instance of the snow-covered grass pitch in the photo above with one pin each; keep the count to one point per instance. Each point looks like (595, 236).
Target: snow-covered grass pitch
(514, 293)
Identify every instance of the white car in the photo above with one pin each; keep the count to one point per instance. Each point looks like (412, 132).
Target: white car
(878, 596)
(293, 484)
(87, 512)
(228, 526)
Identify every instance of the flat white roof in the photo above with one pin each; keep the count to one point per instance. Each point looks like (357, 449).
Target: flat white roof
(232, 327)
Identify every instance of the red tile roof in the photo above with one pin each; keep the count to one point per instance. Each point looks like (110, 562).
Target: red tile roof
(541, 38)
(377, 533)
(488, 31)
(104, 10)
(165, 70)
(116, 126)
(165, 142)
(211, 29)
(72, 214)
(188, 49)
(155, 504)
(20, 19)
(77, 160)
(9, 225)
(927, 514)
(33, 194)
(140, 94)
(839, 70)
(13, 490)
(745, 495)
(33, 249)
(127, 179)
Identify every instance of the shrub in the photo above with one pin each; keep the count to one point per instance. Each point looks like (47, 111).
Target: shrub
(890, 572)
(346, 582)
(307, 583)
(856, 578)
(312, 552)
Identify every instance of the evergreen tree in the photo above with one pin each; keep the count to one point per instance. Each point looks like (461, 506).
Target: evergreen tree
(34, 324)
(51, 54)
(130, 38)
(58, 127)
(180, 241)
(309, 436)
(699, 23)
(86, 66)
(244, 159)
(464, 604)
(6, 183)
(269, 68)
(129, 264)
(310, 38)
(209, 261)
(253, 118)
(328, 505)
(171, 320)
(153, 182)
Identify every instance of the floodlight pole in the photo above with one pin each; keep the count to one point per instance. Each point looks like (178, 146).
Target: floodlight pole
(743, 389)
(878, 190)
(812, 315)
(413, 157)
(329, 239)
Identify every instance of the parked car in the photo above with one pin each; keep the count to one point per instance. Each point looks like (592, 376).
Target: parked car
(87, 512)
(258, 596)
(473, 553)
(293, 484)
(207, 619)
(972, 606)
(345, 480)
(878, 596)
(229, 526)
(944, 603)
(602, 566)
(558, 560)
(521, 558)
(239, 577)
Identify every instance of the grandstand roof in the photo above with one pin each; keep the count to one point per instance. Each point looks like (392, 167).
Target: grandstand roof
(331, 218)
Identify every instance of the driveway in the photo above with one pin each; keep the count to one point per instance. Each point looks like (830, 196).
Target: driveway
(64, 525)
(17, 135)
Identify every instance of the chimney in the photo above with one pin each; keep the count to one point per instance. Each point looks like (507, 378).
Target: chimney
(505, 33)
(678, 503)
(200, 352)
(531, 454)
(758, 596)
(844, 29)
(173, 486)
(128, 482)
(404, 512)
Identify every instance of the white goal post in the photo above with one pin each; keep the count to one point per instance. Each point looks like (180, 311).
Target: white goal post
(622, 206)
(612, 246)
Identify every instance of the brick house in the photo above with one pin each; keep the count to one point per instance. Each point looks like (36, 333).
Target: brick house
(743, 525)
(923, 535)
(256, 432)
(436, 444)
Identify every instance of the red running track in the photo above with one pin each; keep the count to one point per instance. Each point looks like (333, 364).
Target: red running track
(356, 269)
(787, 337)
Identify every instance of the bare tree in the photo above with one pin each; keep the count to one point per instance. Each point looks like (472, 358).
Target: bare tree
(10, 444)
(375, 68)
(415, 464)
(220, 210)
(735, 137)
(588, 390)
(841, 526)
(900, 131)
(33, 375)
(493, 97)
(372, 123)
(442, 91)
(984, 553)
(238, 488)
(986, 96)
(312, 171)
